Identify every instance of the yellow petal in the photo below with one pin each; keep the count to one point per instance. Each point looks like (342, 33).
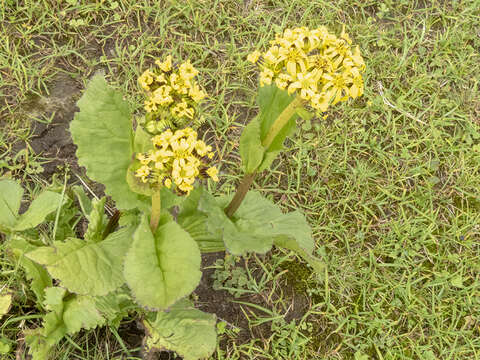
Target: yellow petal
(254, 56)
(292, 67)
(354, 91)
(166, 65)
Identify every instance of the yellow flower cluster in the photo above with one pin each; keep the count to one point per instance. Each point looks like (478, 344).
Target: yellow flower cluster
(173, 95)
(177, 158)
(320, 67)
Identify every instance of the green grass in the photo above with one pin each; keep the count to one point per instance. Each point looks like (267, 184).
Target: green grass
(389, 182)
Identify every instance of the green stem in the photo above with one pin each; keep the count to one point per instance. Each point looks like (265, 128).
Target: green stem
(276, 127)
(240, 194)
(156, 210)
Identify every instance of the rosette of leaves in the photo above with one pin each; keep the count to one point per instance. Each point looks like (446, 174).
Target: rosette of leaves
(158, 267)
(66, 312)
(99, 280)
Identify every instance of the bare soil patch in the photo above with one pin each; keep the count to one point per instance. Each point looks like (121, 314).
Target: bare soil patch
(53, 140)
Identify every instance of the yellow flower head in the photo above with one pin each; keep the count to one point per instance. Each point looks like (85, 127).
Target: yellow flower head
(316, 65)
(163, 139)
(161, 96)
(173, 96)
(178, 158)
(266, 77)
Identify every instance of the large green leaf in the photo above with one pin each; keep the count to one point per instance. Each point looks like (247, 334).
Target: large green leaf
(203, 216)
(46, 203)
(213, 208)
(292, 226)
(272, 101)
(196, 226)
(290, 231)
(189, 332)
(84, 267)
(10, 198)
(163, 267)
(35, 273)
(264, 219)
(244, 232)
(102, 131)
(241, 238)
(256, 225)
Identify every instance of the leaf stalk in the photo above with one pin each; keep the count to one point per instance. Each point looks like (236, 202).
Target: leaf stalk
(240, 194)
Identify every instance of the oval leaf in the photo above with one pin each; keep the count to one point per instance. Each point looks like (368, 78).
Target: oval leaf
(162, 268)
(102, 132)
(272, 101)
